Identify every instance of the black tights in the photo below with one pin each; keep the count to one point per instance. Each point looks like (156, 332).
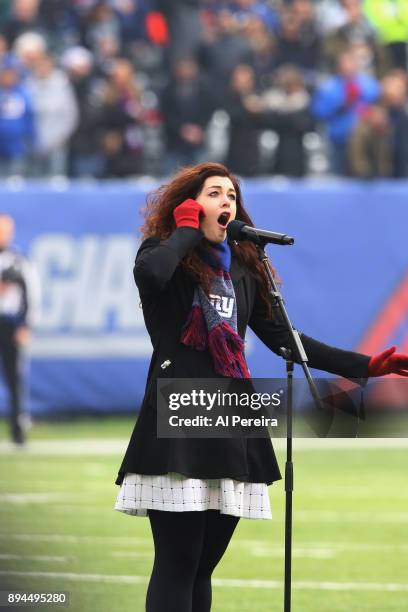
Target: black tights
(188, 546)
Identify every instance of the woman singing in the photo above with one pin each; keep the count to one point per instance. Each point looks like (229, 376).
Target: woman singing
(195, 490)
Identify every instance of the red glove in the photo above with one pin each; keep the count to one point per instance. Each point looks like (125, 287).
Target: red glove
(188, 213)
(352, 92)
(388, 362)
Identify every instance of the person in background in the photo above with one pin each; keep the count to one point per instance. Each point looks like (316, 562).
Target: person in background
(243, 155)
(16, 119)
(3, 47)
(339, 101)
(184, 26)
(263, 45)
(24, 16)
(287, 111)
(85, 158)
(394, 98)
(359, 32)
(132, 19)
(30, 48)
(101, 33)
(55, 115)
(298, 40)
(390, 18)
(122, 120)
(186, 107)
(223, 48)
(370, 153)
(379, 143)
(330, 15)
(18, 298)
(247, 9)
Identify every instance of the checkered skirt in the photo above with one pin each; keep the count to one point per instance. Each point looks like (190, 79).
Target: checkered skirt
(176, 493)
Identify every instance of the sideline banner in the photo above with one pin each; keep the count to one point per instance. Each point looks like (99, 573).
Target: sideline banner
(345, 281)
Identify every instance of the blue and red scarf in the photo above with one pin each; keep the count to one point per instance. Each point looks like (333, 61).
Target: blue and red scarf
(212, 321)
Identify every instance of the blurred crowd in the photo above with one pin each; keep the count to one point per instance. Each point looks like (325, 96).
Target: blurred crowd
(124, 88)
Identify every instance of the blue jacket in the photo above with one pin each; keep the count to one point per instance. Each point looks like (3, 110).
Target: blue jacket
(16, 122)
(330, 104)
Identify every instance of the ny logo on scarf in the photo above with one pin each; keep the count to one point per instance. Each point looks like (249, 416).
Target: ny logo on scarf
(206, 327)
(223, 304)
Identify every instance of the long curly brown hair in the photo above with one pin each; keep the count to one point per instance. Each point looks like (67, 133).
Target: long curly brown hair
(159, 221)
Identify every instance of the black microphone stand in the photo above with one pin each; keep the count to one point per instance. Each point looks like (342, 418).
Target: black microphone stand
(301, 357)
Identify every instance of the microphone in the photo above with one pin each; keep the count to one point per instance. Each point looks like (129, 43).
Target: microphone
(237, 230)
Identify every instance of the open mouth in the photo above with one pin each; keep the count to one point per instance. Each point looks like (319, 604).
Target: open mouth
(223, 219)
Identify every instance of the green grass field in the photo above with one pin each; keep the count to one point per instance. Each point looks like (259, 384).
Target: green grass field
(59, 532)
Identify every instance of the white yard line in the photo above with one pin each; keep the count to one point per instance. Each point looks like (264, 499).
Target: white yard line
(238, 542)
(12, 557)
(218, 582)
(117, 446)
(72, 539)
(324, 546)
(367, 518)
(33, 498)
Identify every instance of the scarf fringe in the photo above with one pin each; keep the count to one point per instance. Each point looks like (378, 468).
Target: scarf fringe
(194, 332)
(227, 350)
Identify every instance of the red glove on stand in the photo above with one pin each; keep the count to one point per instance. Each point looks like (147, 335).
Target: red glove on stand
(388, 362)
(188, 213)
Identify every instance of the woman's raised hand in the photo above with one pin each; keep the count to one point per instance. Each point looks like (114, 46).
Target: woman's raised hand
(388, 362)
(187, 214)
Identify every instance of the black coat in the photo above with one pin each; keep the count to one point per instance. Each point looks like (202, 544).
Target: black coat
(166, 293)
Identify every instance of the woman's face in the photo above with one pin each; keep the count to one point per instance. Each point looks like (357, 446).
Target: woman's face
(218, 198)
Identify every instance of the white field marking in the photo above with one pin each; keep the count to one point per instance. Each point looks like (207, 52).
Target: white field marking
(11, 557)
(83, 508)
(73, 539)
(58, 504)
(30, 483)
(255, 552)
(95, 469)
(29, 498)
(117, 446)
(89, 446)
(120, 554)
(298, 553)
(335, 547)
(351, 517)
(219, 582)
(243, 543)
